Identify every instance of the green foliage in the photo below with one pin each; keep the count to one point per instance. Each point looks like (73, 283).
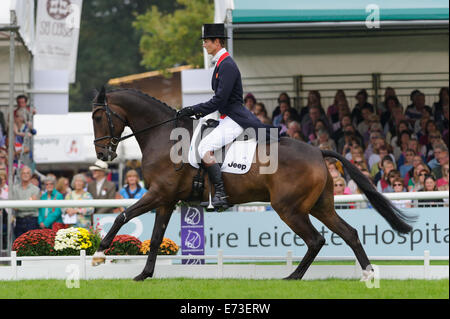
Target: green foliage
(108, 45)
(174, 39)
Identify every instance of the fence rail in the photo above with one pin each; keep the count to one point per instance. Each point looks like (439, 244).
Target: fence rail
(46, 267)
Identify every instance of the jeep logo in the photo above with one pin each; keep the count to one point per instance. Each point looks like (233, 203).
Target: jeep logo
(240, 166)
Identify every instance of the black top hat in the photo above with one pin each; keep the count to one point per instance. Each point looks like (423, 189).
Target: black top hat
(215, 30)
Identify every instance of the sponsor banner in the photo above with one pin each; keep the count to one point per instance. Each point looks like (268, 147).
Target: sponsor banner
(192, 233)
(265, 234)
(57, 31)
(58, 149)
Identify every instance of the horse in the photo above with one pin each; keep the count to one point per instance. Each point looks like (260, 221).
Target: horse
(301, 185)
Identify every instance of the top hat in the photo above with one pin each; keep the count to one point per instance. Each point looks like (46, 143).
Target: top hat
(99, 165)
(215, 30)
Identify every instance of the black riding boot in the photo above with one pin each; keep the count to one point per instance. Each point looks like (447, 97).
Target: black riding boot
(215, 177)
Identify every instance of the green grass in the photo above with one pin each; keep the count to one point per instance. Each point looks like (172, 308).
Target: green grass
(182, 288)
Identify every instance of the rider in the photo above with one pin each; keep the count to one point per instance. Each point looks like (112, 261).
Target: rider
(227, 99)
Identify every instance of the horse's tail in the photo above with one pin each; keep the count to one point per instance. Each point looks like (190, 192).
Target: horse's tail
(398, 220)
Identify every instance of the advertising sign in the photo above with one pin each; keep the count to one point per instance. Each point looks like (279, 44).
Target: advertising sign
(265, 234)
(192, 234)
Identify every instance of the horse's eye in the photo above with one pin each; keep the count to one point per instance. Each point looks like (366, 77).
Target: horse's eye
(97, 119)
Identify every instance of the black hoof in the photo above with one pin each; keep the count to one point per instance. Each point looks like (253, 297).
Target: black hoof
(291, 277)
(141, 277)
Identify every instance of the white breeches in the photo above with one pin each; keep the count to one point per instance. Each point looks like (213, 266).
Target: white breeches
(224, 133)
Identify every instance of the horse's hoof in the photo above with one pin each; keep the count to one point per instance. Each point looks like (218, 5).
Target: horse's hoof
(290, 278)
(98, 258)
(141, 277)
(367, 275)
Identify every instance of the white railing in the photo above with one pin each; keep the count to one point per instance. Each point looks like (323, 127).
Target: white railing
(129, 202)
(57, 267)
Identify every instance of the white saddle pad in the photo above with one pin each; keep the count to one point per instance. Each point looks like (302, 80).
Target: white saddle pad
(238, 154)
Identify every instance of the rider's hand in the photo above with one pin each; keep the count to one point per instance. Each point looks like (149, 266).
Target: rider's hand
(186, 111)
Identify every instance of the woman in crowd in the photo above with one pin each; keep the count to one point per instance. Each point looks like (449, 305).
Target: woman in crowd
(132, 189)
(261, 113)
(333, 109)
(3, 185)
(340, 187)
(399, 187)
(48, 216)
(78, 217)
(381, 179)
(430, 186)
(62, 186)
(442, 183)
(416, 182)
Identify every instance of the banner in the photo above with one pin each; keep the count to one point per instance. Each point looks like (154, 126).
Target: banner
(57, 31)
(192, 234)
(265, 234)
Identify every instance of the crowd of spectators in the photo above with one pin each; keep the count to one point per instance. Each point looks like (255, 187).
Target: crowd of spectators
(399, 148)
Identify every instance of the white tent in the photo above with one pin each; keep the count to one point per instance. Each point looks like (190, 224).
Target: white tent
(69, 138)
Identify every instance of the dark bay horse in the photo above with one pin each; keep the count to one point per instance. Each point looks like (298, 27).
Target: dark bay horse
(301, 185)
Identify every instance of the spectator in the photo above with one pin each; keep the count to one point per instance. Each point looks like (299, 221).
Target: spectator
(284, 106)
(363, 126)
(314, 100)
(340, 187)
(412, 144)
(62, 186)
(361, 98)
(78, 217)
(131, 164)
(101, 188)
(399, 187)
(3, 185)
(334, 167)
(339, 129)
(442, 159)
(374, 127)
(388, 104)
(374, 160)
(438, 107)
(433, 139)
(249, 102)
(401, 144)
(375, 142)
(393, 174)
(23, 132)
(287, 118)
(444, 124)
(442, 183)
(349, 139)
(430, 186)
(26, 218)
(415, 110)
(430, 128)
(261, 113)
(36, 180)
(381, 178)
(408, 164)
(416, 182)
(392, 127)
(293, 128)
(22, 105)
(309, 121)
(333, 109)
(421, 127)
(4, 160)
(132, 189)
(283, 97)
(322, 138)
(48, 216)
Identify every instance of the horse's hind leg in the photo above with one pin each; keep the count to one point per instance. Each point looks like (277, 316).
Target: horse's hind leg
(324, 211)
(301, 225)
(145, 204)
(161, 221)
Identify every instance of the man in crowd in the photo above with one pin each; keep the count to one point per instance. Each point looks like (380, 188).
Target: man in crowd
(26, 218)
(100, 187)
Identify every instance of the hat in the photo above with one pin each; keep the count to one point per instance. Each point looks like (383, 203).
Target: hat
(99, 165)
(214, 30)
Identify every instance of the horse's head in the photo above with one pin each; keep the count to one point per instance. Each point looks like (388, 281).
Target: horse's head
(108, 127)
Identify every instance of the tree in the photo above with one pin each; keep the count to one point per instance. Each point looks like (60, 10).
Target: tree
(108, 45)
(173, 39)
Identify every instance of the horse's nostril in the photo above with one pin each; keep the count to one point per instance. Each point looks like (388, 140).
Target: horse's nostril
(100, 156)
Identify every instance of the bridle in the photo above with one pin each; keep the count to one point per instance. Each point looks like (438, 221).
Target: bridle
(114, 140)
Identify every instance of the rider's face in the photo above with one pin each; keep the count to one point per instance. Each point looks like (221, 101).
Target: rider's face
(212, 46)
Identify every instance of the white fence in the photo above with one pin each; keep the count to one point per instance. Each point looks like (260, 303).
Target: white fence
(127, 267)
(60, 267)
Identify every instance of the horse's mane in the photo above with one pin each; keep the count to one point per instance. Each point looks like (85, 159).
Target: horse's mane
(144, 95)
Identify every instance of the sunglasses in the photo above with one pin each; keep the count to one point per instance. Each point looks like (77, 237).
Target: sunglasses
(398, 185)
(338, 185)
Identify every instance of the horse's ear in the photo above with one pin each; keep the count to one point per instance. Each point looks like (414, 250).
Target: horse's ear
(101, 97)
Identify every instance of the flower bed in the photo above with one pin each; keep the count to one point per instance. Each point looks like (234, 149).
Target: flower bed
(124, 245)
(37, 242)
(167, 247)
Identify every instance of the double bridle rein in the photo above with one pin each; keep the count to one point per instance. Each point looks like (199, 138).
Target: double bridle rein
(115, 140)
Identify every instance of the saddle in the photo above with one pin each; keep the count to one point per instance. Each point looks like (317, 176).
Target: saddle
(234, 158)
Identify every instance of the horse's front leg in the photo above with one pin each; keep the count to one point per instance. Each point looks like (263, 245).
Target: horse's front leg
(163, 215)
(148, 202)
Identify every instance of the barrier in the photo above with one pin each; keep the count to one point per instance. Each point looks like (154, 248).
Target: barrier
(47, 267)
(79, 267)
